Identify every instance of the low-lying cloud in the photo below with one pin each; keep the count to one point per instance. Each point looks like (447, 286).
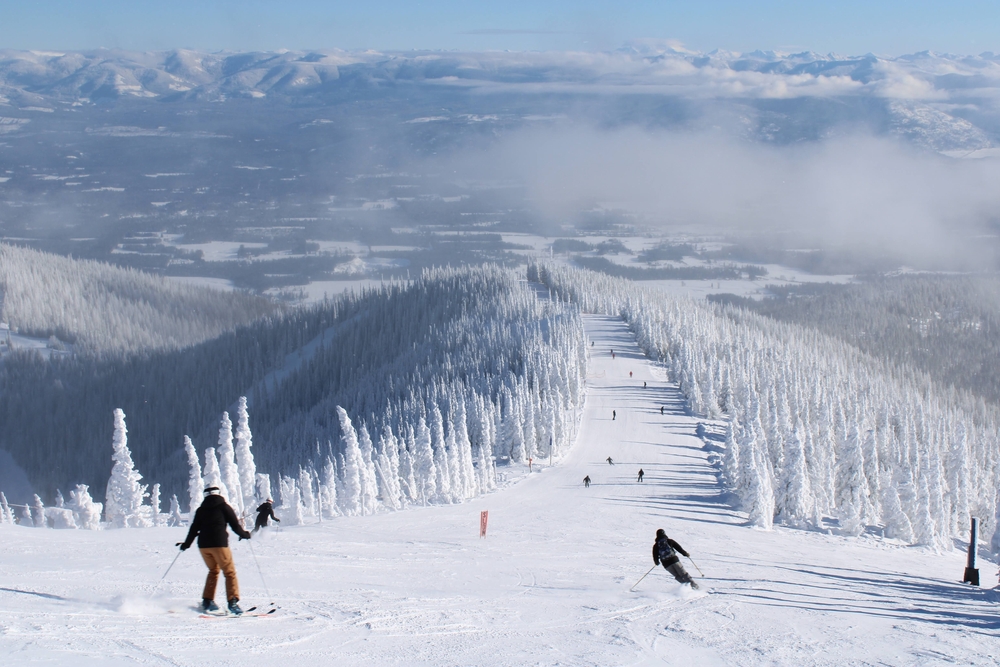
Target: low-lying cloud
(872, 195)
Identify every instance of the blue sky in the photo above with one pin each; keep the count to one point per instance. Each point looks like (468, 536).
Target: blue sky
(845, 26)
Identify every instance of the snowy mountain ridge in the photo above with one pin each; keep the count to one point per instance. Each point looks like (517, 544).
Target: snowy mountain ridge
(34, 77)
(937, 101)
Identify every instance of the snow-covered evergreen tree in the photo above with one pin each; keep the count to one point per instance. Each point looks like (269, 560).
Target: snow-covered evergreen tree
(86, 512)
(387, 470)
(369, 483)
(244, 457)
(263, 485)
(305, 486)
(350, 499)
(424, 469)
(6, 515)
(291, 503)
(211, 475)
(38, 512)
(154, 504)
(196, 485)
(328, 490)
(123, 501)
(175, 519)
(897, 524)
(794, 500)
(227, 465)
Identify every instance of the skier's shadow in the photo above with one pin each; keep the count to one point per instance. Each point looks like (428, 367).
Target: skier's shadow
(47, 596)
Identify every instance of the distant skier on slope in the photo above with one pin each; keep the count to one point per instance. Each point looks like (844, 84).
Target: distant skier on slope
(209, 525)
(614, 413)
(265, 512)
(641, 474)
(665, 552)
(610, 462)
(586, 481)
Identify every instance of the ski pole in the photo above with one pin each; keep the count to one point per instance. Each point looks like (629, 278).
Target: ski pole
(696, 566)
(168, 571)
(642, 577)
(260, 572)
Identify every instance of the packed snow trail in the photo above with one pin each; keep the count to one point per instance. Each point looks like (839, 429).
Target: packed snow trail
(548, 586)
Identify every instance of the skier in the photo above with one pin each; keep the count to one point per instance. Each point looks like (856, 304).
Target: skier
(613, 415)
(641, 473)
(643, 384)
(630, 374)
(610, 462)
(265, 512)
(661, 409)
(209, 525)
(665, 552)
(586, 481)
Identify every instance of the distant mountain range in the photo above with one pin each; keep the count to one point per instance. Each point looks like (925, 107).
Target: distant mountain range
(939, 101)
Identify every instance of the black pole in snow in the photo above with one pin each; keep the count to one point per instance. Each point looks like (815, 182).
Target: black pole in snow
(971, 572)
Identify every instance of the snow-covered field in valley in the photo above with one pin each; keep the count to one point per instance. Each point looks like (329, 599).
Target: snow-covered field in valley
(549, 585)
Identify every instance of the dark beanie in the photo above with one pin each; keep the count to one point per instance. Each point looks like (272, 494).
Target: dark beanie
(661, 533)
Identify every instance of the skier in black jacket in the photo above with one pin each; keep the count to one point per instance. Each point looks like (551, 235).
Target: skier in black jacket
(209, 525)
(264, 512)
(665, 552)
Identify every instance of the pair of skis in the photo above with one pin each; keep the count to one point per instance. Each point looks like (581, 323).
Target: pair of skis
(252, 612)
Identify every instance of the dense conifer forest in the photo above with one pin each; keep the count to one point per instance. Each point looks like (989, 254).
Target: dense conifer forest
(475, 346)
(108, 310)
(946, 325)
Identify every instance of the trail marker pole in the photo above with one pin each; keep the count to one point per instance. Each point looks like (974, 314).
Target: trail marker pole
(484, 517)
(971, 571)
(642, 577)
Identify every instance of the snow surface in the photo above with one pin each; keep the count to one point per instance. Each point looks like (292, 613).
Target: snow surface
(549, 585)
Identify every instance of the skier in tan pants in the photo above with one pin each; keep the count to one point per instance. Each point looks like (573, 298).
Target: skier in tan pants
(209, 525)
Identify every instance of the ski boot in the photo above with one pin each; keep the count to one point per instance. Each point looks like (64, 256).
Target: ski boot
(209, 606)
(234, 607)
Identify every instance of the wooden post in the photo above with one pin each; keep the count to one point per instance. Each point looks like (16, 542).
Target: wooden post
(971, 572)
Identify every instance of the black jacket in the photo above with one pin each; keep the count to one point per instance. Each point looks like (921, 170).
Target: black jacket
(663, 550)
(265, 512)
(210, 524)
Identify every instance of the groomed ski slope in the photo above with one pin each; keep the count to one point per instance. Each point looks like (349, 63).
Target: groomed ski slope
(548, 586)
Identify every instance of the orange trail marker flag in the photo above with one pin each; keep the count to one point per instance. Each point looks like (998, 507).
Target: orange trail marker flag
(483, 518)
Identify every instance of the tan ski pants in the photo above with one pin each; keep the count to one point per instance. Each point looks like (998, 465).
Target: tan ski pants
(220, 558)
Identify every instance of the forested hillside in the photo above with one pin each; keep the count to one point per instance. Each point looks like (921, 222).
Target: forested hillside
(948, 326)
(104, 309)
(455, 351)
(819, 432)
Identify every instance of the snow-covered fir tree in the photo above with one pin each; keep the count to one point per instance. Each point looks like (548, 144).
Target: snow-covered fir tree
(211, 475)
(123, 501)
(196, 485)
(244, 456)
(86, 512)
(227, 465)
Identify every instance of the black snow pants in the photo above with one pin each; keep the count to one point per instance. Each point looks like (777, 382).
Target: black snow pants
(680, 574)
